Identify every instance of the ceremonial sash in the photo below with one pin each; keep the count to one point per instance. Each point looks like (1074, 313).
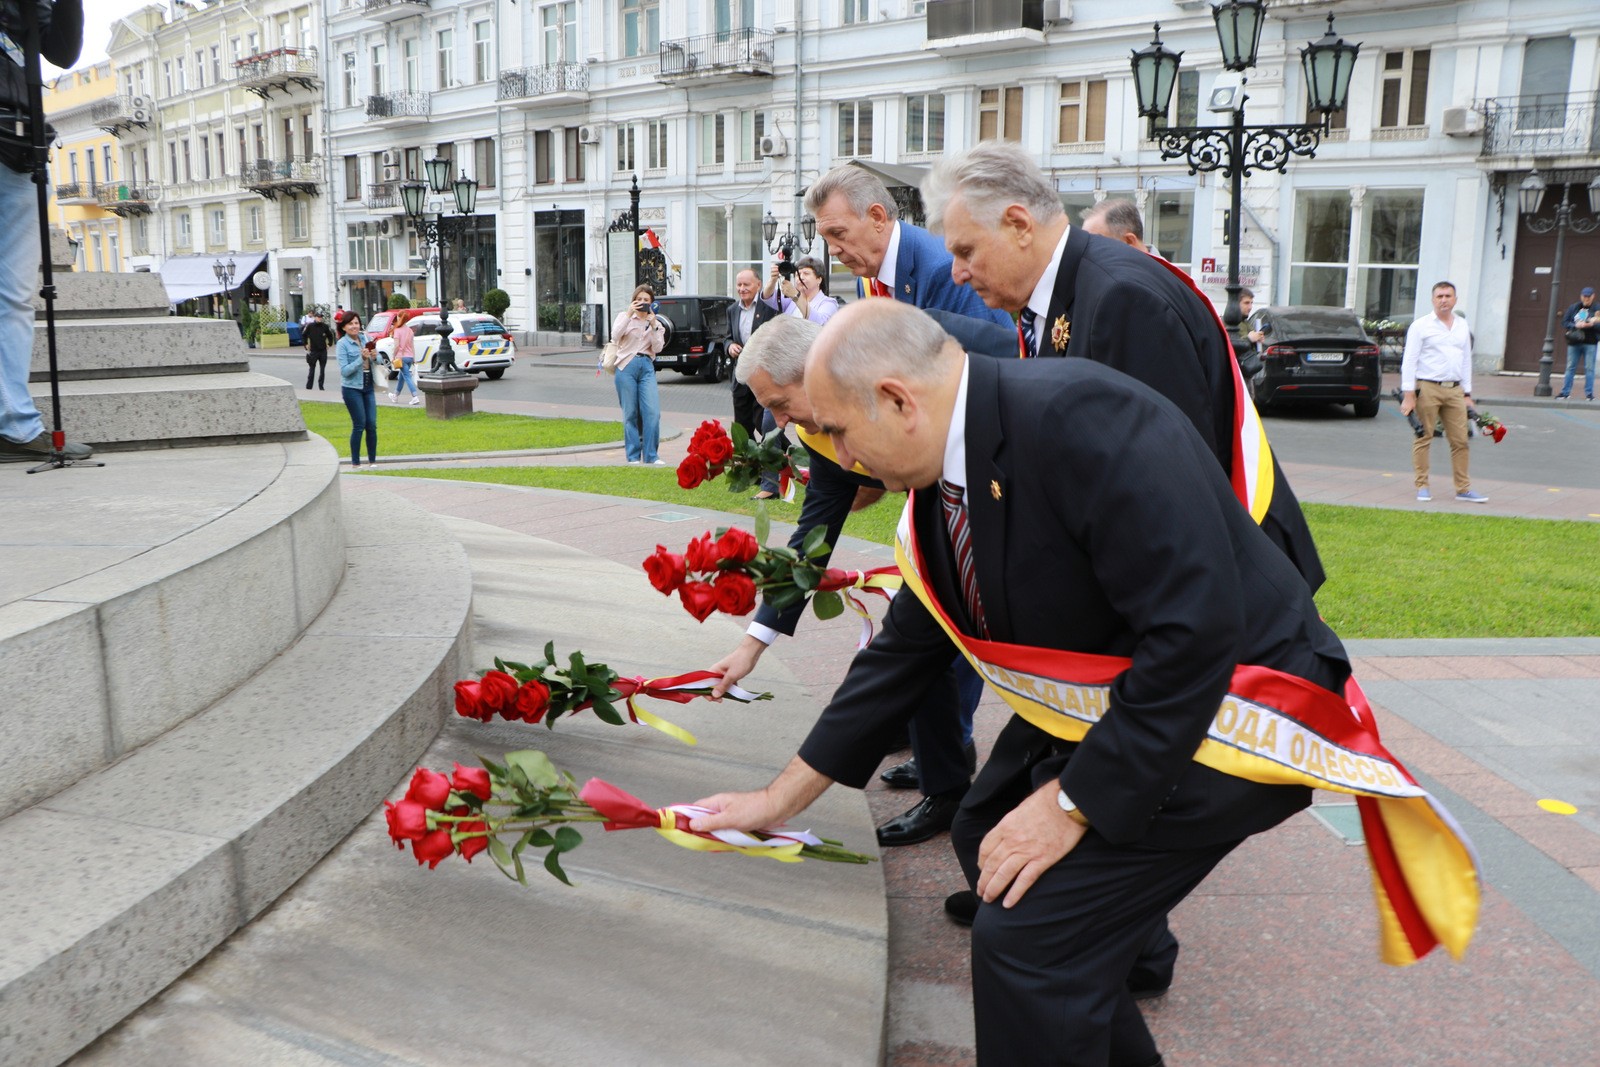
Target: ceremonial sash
(821, 444)
(1272, 728)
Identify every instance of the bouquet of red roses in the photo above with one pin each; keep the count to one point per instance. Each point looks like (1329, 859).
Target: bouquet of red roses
(528, 802)
(713, 452)
(725, 573)
(1489, 426)
(545, 691)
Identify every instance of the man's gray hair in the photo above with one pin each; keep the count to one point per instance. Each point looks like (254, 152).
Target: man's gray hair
(779, 348)
(990, 177)
(886, 339)
(861, 190)
(1120, 217)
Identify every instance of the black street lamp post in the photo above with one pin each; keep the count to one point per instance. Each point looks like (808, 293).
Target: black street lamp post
(225, 273)
(788, 243)
(628, 222)
(444, 228)
(1530, 197)
(1236, 149)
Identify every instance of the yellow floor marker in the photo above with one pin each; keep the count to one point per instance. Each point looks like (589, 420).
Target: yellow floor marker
(1558, 807)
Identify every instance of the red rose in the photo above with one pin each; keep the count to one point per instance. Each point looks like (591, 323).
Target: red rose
(474, 780)
(700, 598)
(717, 450)
(737, 546)
(429, 788)
(692, 471)
(666, 570)
(471, 846)
(736, 593)
(1499, 431)
(533, 700)
(700, 556)
(469, 701)
(433, 847)
(704, 432)
(498, 692)
(408, 820)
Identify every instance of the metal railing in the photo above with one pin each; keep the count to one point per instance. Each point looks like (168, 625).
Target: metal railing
(77, 191)
(523, 82)
(383, 194)
(962, 18)
(746, 50)
(1552, 124)
(400, 105)
(279, 63)
(123, 195)
(376, 6)
(297, 170)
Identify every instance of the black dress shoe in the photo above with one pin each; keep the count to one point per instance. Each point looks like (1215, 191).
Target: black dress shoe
(961, 906)
(901, 775)
(930, 818)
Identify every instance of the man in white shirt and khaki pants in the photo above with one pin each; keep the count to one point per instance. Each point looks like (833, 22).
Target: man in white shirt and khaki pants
(1436, 382)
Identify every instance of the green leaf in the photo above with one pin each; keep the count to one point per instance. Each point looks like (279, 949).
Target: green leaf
(827, 605)
(606, 711)
(522, 874)
(763, 522)
(540, 837)
(513, 667)
(815, 539)
(785, 598)
(739, 435)
(501, 854)
(552, 863)
(535, 766)
(567, 839)
(550, 653)
(805, 578)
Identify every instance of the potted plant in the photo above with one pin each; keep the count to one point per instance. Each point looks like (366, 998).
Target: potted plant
(274, 326)
(495, 302)
(250, 323)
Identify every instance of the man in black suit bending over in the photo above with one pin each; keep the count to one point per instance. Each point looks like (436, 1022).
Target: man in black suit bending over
(1117, 538)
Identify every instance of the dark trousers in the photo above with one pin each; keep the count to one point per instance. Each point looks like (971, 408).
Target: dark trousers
(363, 407)
(316, 367)
(1049, 976)
(942, 727)
(746, 412)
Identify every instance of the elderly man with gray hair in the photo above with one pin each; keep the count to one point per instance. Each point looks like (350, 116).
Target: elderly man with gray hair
(1117, 219)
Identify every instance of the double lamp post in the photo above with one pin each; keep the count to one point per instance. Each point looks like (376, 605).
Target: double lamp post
(1236, 149)
(225, 273)
(444, 228)
(788, 244)
(1530, 198)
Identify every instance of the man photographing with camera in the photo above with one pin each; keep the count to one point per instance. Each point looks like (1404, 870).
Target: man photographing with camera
(60, 39)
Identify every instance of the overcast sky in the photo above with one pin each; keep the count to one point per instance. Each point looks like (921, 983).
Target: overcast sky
(98, 15)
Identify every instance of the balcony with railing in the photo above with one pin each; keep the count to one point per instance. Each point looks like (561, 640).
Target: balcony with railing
(280, 69)
(717, 56)
(558, 83)
(398, 109)
(77, 194)
(383, 196)
(122, 113)
(984, 25)
(393, 10)
(1553, 124)
(127, 200)
(295, 176)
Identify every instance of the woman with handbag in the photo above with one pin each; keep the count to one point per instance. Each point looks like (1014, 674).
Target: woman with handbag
(356, 355)
(639, 334)
(404, 360)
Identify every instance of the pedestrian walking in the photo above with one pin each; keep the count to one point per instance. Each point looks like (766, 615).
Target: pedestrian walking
(639, 335)
(403, 362)
(317, 337)
(1582, 323)
(360, 394)
(1436, 382)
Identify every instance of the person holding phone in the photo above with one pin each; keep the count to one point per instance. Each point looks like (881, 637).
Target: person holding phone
(639, 332)
(356, 353)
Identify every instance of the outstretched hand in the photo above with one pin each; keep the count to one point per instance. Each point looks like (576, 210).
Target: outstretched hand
(1022, 846)
(736, 664)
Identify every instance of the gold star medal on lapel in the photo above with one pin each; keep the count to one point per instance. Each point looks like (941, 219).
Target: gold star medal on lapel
(994, 489)
(1060, 333)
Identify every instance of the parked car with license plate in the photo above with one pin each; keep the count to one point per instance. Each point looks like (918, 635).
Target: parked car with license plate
(480, 342)
(696, 335)
(1316, 354)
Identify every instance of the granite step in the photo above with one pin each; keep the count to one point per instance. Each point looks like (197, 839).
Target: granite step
(176, 410)
(131, 347)
(101, 294)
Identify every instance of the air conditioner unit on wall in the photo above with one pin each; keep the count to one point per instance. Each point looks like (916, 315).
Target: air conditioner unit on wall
(138, 101)
(774, 144)
(140, 116)
(588, 135)
(383, 227)
(1462, 122)
(391, 165)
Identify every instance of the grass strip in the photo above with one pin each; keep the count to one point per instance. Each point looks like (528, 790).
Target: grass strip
(1390, 573)
(407, 431)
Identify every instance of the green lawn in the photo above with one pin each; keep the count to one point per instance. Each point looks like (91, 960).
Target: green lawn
(407, 431)
(1390, 573)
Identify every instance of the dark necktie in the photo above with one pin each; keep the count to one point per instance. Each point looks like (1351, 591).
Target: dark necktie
(1025, 330)
(955, 518)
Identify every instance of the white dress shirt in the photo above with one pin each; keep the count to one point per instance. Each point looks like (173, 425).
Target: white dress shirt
(1043, 293)
(955, 444)
(891, 257)
(747, 320)
(1436, 352)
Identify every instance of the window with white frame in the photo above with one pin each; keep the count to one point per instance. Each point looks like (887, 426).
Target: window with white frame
(559, 25)
(1169, 225)
(1000, 114)
(216, 64)
(544, 170)
(575, 161)
(925, 122)
(1082, 117)
(482, 52)
(1390, 253)
(713, 146)
(857, 11)
(1403, 100)
(308, 140)
(299, 219)
(252, 219)
(235, 50)
(205, 157)
(172, 161)
(1546, 77)
(252, 43)
(72, 164)
(200, 69)
(483, 162)
(222, 153)
(855, 128)
(379, 61)
(105, 157)
(627, 155)
(655, 139)
(641, 27)
(218, 233)
(180, 72)
(411, 164)
(752, 126)
(244, 154)
(347, 63)
(188, 160)
(445, 46)
(727, 246)
(411, 54)
(185, 235)
(166, 78)
(730, 15)
(1320, 262)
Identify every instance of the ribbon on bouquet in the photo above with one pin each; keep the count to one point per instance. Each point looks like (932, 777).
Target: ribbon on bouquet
(624, 811)
(679, 689)
(879, 581)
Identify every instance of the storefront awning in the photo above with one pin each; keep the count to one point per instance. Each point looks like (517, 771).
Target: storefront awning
(382, 276)
(894, 174)
(189, 277)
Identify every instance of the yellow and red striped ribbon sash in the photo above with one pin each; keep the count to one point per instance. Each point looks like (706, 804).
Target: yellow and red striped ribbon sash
(822, 445)
(1272, 728)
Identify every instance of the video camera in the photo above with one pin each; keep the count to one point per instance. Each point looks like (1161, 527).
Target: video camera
(786, 268)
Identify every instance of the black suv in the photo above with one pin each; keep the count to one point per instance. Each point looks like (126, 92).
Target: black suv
(1316, 354)
(697, 335)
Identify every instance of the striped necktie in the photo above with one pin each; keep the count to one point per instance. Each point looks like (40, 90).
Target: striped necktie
(879, 289)
(1025, 331)
(955, 518)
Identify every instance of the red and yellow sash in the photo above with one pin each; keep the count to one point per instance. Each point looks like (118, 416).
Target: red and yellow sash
(1272, 728)
(821, 444)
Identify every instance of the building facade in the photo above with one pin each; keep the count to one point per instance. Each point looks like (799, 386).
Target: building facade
(83, 159)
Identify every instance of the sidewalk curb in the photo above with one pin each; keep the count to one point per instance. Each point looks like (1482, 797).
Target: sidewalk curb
(565, 450)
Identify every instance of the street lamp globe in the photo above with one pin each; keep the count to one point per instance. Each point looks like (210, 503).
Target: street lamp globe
(769, 229)
(438, 169)
(1239, 31)
(808, 225)
(1328, 64)
(1594, 196)
(1530, 194)
(466, 194)
(218, 269)
(1155, 72)
(414, 195)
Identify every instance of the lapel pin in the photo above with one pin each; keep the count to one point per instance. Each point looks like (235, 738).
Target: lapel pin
(908, 288)
(1060, 333)
(994, 489)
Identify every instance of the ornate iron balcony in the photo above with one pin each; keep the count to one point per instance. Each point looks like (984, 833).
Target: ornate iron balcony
(400, 106)
(747, 51)
(1554, 124)
(129, 200)
(295, 175)
(278, 69)
(524, 82)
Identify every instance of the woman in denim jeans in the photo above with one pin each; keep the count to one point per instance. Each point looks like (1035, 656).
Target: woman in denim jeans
(360, 395)
(638, 332)
(403, 361)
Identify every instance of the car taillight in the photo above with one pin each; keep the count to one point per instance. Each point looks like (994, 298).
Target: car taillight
(696, 349)
(1279, 351)
(461, 337)
(1367, 350)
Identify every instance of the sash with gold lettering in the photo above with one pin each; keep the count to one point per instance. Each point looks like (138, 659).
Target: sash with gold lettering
(1272, 728)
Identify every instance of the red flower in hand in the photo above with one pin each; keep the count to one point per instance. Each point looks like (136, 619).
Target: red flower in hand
(429, 788)
(533, 700)
(474, 780)
(701, 556)
(408, 820)
(736, 593)
(737, 546)
(469, 701)
(706, 431)
(692, 471)
(1499, 432)
(699, 598)
(497, 691)
(471, 846)
(717, 450)
(666, 570)
(432, 847)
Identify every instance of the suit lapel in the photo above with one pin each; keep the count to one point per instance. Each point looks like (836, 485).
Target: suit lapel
(988, 498)
(1061, 302)
(905, 267)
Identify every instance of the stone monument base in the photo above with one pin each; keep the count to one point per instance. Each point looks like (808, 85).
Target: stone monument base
(447, 395)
